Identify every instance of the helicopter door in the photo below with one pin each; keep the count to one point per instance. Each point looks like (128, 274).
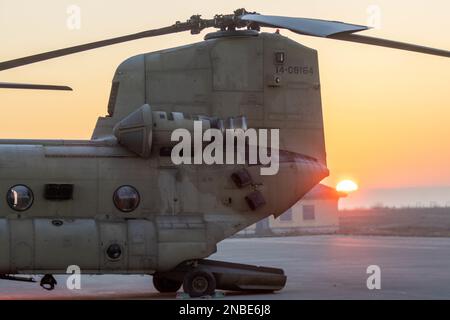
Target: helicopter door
(113, 251)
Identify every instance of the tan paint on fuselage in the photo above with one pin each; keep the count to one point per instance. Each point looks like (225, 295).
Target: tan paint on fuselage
(184, 210)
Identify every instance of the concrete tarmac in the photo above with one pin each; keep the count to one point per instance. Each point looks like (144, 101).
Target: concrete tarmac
(317, 267)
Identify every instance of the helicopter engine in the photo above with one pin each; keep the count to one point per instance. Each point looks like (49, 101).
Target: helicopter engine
(144, 128)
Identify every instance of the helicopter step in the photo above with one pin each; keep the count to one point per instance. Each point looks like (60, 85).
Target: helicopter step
(203, 277)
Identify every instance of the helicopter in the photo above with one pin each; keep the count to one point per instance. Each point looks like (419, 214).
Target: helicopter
(118, 204)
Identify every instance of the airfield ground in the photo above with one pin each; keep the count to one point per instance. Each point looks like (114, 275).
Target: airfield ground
(318, 267)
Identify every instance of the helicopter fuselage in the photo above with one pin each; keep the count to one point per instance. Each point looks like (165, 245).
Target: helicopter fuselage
(183, 210)
(67, 192)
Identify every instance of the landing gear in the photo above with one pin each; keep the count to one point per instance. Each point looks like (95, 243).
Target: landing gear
(48, 282)
(198, 283)
(164, 285)
(202, 278)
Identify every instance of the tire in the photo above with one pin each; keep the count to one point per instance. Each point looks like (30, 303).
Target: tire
(165, 285)
(198, 283)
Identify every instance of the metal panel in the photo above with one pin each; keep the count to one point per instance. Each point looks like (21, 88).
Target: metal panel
(142, 245)
(185, 235)
(238, 65)
(4, 247)
(22, 245)
(112, 233)
(74, 242)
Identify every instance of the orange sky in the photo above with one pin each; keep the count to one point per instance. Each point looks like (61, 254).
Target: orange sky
(387, 112)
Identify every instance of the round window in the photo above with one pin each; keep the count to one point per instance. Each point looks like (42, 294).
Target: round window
(126, 198)
(19, 198)
(114, 251)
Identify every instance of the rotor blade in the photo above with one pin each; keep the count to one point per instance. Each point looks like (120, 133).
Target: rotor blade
(390, 44)
(310, 27)
(336, 30)
(179, 27)
(9, 85)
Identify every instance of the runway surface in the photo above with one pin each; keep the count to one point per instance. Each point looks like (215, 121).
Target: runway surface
(318, 267)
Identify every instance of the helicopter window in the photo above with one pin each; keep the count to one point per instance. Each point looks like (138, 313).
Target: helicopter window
(170, 116)
(280, 57)
(162, 115)
(58, 191)
(126, 198)
(114, 251)
(20, 197)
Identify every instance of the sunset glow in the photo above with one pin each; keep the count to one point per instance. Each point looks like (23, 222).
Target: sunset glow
(346, 186)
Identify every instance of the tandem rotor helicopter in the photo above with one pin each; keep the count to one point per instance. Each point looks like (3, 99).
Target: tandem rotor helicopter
(117, 204)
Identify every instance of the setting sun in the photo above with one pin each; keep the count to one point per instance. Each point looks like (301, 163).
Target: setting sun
(346, 186)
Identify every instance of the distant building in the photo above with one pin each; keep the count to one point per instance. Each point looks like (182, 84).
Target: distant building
(316, 212)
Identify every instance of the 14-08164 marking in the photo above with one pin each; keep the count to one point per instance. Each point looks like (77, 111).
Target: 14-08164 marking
(300, 70)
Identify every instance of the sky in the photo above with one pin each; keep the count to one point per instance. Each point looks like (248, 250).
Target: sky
(386, 112)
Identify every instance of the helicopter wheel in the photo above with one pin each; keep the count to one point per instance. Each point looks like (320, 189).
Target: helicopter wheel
(198, 283)
(164, 284)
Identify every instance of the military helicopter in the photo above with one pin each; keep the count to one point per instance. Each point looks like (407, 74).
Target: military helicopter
(117, 204)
